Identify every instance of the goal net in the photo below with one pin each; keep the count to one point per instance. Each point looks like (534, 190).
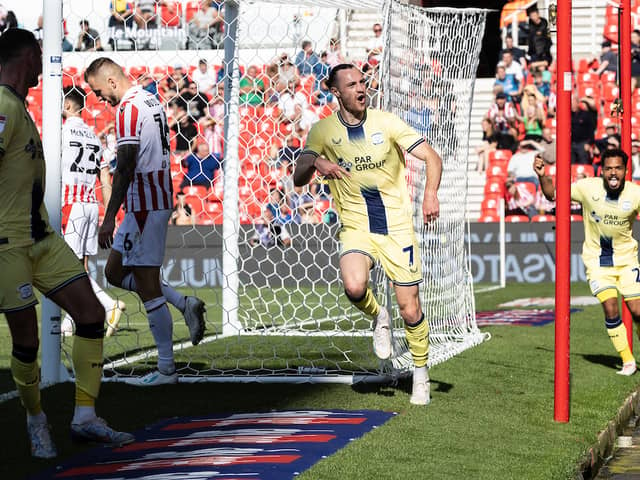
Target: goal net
(260, 253)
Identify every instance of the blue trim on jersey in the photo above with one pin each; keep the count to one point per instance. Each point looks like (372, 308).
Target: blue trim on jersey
(355, 134)
(422, 140)
(606, 252)
(375, 210)
(613, 322)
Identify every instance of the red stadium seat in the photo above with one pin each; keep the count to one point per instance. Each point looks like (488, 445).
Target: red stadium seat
(608, 77)
(171, 14)
(516, 219)
(550, 170)
(610, 91)
(543, 218)
(500, 155)
(611, 33)
(489, 218)
(494, 186)
(191, 8)
(497, 170)
(529, 186)
(576, 218)
(581, 169)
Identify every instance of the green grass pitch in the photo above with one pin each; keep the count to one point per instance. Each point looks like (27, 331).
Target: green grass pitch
(491, 414)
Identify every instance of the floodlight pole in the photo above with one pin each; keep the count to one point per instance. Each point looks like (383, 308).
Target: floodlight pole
(563, 222)
(624, 51)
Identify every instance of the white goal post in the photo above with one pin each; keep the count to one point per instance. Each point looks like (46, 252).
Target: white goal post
(277, 310)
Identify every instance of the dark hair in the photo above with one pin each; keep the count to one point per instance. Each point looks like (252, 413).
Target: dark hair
(331, 79)
(95, 66)
(305, 44)
(75, 95)
(614, 152)
(13, 41)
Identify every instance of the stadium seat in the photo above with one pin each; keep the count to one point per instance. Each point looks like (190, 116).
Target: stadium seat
(550, 170)
(610, 91)
(497, 170)
(494, 186)
(500, 155)
(490, 205)
(611, 33)
(581, 169)
(529, 186)
(543, 218)
(582, 67)
(197, 191)
(488, 218)
(576, 218)
(516, 219)
(608, 77)
(171, 14)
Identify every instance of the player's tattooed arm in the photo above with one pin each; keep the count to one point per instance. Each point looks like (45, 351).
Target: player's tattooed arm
(125, 168)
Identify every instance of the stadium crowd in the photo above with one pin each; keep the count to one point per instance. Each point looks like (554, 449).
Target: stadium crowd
(521, 123)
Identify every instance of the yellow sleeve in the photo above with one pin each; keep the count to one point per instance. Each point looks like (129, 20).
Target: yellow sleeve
(576, 192)
(401, 133)
(314, 144)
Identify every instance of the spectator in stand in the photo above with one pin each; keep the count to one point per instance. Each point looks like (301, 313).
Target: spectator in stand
(514, 75)
(533, 119)
(216, 109)
(306, 59)
(269, 232)
(635, 160)
(584, 120)
(321, 70)
(205, 30)
(302, 204)
(322, 95)
(121, 19)
(635, 59)
(88, 38)
(370, 71)
(289, 153)
(503, 121)
(518, 199)
(375, 45)
(505, 84)
(608, 59)
(145, 14)
(295, 108)
(517, 53)
(600, 144)
(287, 72)
(334, 55)
(182, 213)
(543, 88)
(539, 40)
(149, 83)
(204, 78)
(182, 126)
(520, 166)
(271, 84)
(213, 134)
(201, 166)
(178, 80)
(489, 144)
(197, 104)
(251, 87)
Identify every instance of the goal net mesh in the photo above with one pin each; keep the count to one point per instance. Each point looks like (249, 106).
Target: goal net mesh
(428, 74)
(261, 254)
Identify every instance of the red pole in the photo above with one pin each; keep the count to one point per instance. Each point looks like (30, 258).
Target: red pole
(624, 77)
(563, 203)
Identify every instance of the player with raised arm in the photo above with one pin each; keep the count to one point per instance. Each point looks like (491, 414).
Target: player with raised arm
(82, 165)
(359, 151)
(609, 252)
(33, 255)
(142, 181)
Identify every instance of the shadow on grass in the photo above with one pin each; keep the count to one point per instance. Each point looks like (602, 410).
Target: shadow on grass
(604, 360)
(404, 385)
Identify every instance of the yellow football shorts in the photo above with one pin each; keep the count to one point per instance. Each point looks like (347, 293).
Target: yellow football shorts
(398, 254)
(606, 282)
(47, 265)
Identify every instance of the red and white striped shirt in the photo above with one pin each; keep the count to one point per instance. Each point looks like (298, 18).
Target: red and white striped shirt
(142, 121)
(82, 161)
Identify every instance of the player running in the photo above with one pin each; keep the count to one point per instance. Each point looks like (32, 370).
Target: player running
(142, 181)
(359, 151)
(609, 251)
(32, 255)
(82, 164)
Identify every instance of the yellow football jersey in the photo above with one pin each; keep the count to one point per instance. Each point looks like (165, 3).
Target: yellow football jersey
(23, 216)
(608, 239)
(375, 198)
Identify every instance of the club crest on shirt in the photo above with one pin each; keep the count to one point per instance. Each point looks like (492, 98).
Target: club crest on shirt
(336, 141)
(626, 206)
(377, 138)
(3, 121)
(25, 291)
